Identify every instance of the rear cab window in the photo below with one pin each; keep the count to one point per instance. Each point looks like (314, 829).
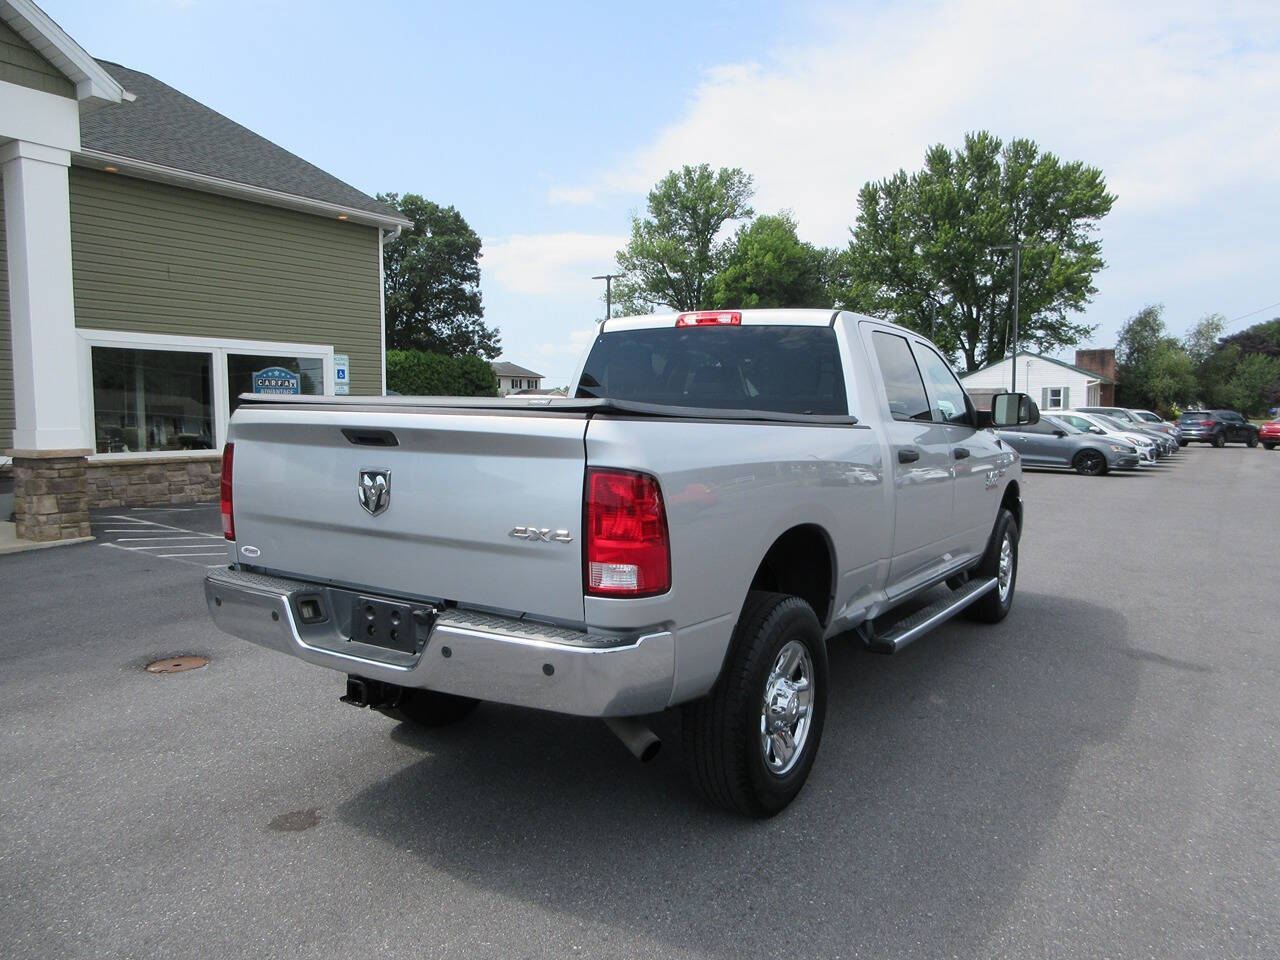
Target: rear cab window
(777, 369)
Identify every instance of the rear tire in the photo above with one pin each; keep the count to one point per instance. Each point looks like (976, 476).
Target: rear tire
(1183, 443)
(771, 696)
(1252, 441)
(1268, 446)
(430, 708)
(1219, 441)
(1000, 561)
(1090, 463)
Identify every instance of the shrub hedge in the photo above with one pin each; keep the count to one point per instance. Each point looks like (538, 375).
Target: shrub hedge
(416, 373)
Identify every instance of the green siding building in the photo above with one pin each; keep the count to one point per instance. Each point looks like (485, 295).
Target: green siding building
(157, 260)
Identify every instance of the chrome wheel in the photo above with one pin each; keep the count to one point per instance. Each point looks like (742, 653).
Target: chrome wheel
(785, 710)
(1004, 573)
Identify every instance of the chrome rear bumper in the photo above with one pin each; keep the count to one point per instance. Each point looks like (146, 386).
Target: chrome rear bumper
(503, 659)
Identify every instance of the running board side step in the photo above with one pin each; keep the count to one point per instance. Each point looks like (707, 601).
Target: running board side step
(923, 620)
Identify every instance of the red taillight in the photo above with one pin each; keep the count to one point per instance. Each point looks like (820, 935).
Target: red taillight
(1206, 423)
(709, 318)
(626, 551)
(228, 519)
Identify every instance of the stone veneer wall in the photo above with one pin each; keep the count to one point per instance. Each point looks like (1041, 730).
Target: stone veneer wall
(49, 501)
(153, 482)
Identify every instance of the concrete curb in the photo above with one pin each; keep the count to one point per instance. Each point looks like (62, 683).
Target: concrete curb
(9, 542)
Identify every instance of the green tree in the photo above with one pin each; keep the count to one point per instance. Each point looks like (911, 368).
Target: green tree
(770, 266)
(1202, 340)
(416, 373)
(1255, 383)
(922, 252)
(432, 282)
(1152, 368)
(674, 253)
(1226, 371)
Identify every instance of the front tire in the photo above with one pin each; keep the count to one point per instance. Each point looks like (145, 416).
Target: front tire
(749, 745)
(1000, 561)
(1183, 443)
(1090, 463)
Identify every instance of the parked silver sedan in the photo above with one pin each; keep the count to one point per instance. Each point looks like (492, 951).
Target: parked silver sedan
(1055, 443)
(1106, 427)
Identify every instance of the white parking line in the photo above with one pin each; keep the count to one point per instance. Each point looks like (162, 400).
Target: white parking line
(153, 539)
(170, 537)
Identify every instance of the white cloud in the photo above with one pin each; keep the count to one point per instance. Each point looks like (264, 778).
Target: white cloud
(549, 263)
(1172, 101)
(572, 348)
(573, 196)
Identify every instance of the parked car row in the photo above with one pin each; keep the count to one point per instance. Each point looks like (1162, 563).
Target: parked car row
(1094, 440)
(1218, 428)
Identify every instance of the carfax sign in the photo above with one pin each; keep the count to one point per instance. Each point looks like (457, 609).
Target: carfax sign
(276, 380)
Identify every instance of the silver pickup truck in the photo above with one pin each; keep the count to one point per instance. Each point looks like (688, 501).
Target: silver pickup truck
(720, 494)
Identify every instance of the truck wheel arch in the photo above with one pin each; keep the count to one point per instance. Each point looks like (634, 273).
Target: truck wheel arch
(801, 562)
(1011, 500)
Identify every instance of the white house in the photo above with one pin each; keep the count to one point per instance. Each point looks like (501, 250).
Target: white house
(1054, 384)
(513, 378)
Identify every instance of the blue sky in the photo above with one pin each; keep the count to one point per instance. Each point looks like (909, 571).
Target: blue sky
(546, 123)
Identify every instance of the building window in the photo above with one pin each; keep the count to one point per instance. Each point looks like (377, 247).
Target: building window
(165, 394)
(146, 400)
(253, 373)
(516, 384)
(1055, 398)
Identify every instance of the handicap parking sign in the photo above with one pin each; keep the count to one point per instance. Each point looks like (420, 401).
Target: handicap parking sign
(341, 373)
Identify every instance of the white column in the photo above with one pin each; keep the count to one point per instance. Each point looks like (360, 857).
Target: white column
(47, 388)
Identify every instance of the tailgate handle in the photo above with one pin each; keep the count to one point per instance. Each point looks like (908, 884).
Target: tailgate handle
(370, 438)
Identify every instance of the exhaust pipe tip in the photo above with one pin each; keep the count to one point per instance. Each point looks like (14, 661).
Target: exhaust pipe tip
(643, 743)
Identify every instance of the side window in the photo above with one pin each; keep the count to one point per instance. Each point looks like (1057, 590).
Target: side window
(946, 396)
(903, 386)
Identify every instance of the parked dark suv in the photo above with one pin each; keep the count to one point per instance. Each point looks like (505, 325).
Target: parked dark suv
(1218, 427)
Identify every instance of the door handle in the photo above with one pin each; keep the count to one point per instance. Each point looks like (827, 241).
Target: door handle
(908, 455)
(960, 453)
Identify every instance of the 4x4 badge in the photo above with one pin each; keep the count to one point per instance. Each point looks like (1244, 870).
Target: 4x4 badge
(374, 491)
(541, 534)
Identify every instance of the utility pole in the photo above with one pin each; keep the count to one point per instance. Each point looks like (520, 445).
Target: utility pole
(608, 279)
(1016, 247)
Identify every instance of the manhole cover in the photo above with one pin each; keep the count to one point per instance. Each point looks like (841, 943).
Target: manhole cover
(177, 664)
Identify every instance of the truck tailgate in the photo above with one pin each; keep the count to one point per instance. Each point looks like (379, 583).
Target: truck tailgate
(459, 484)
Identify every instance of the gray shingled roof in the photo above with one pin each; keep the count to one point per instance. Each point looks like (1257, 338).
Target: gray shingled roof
(504, 369)
(165, 126)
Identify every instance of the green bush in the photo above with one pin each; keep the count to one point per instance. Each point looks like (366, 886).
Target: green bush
(416, 373)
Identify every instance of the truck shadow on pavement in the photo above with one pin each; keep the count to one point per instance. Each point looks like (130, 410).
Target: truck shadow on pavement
(941, 771)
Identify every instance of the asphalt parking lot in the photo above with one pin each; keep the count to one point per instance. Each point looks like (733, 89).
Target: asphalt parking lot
(1098, 776)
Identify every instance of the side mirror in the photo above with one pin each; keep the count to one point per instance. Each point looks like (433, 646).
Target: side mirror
(1013, 409)
(1059, 433)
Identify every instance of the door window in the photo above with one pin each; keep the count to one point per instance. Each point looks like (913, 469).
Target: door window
(255, 373)
(946, 396)
(903, 386)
